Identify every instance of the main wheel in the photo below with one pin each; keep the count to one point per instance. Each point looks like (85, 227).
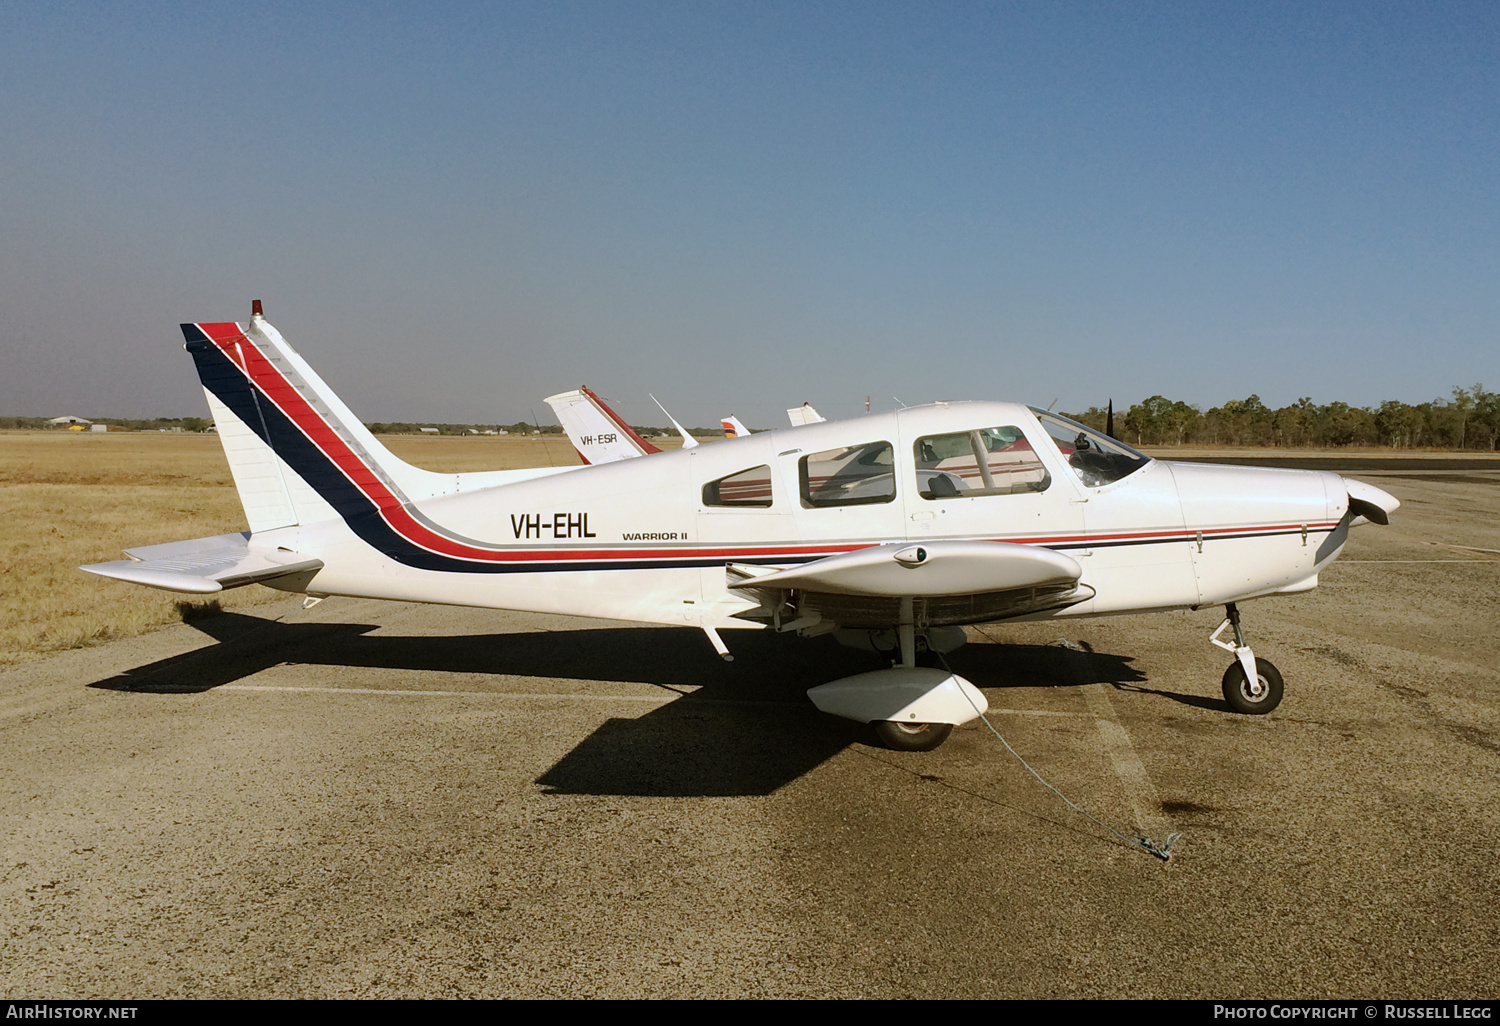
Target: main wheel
(911, 737)
(1257, 700)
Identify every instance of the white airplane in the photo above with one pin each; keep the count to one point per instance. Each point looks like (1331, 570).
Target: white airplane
(906, 524)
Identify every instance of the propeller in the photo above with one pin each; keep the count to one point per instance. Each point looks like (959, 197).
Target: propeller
(1374, 504)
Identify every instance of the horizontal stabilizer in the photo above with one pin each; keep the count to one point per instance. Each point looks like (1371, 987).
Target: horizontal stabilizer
(203, 566)
(926, 569)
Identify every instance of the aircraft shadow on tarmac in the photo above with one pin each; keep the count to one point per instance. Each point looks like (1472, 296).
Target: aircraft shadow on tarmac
(744, 728)
(1062, 666)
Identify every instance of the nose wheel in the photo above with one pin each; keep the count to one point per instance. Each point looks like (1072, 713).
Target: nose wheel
(1251, 685)
(1255, 698)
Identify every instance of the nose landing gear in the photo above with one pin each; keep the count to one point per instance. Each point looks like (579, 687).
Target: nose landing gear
(1251, 685)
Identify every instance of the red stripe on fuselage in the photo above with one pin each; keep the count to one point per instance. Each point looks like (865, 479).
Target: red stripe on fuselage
(265, 376)
(644, 445)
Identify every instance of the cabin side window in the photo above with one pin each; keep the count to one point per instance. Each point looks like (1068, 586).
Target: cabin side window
(857, 475)
(987, 461)
(747, 488)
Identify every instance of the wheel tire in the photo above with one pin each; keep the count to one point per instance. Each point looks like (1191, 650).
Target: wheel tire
(911, 737)
(1237, 691)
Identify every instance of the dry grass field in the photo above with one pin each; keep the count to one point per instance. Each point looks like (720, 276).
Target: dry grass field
(68, 498)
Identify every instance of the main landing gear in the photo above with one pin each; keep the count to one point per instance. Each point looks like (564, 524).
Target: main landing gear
(911, 737)
(911, 708)
(1251, 685)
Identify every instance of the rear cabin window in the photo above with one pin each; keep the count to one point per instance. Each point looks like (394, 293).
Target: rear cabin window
(747, 488)
(988, 461)
(858, 475)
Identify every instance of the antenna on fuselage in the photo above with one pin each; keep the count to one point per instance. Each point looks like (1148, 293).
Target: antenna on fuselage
(539, 431)
(688, 441)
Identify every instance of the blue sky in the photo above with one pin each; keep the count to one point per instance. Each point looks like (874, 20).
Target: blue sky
(453, 210)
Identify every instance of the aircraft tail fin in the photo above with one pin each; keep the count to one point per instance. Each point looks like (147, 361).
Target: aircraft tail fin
(733, 428)
(596, 431)
(297, 453)
(804, 414)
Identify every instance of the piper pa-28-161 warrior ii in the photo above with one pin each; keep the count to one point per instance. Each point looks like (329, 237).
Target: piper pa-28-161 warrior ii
(901, 527)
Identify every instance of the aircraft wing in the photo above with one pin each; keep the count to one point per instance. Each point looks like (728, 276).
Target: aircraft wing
(941, 582)
(203, 566)
(926, 569)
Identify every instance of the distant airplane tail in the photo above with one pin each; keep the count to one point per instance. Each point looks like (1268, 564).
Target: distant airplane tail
(734, 429)
(596, 431)
(804, 414)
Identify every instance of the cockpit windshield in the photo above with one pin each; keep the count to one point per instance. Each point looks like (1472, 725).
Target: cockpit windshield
(1096, 458)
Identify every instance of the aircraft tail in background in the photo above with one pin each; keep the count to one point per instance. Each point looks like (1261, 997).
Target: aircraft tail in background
(804, 414)
(596, 431)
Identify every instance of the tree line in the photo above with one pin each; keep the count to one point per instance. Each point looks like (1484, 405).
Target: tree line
(129, 424)
(1470, 420)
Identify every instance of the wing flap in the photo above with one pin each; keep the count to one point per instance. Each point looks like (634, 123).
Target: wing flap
(204, 566)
